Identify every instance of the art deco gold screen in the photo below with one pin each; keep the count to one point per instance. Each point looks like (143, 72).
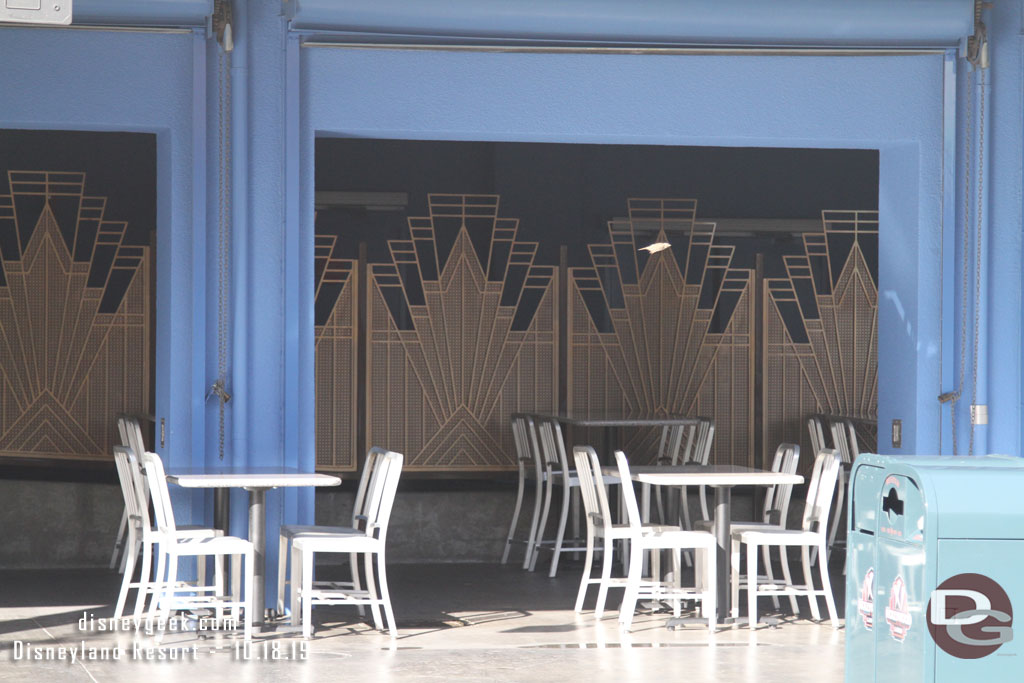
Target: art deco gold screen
(462, 334)
(336, 359)
(74, 320)
(665, 334)
(821, 330)
(463, 325)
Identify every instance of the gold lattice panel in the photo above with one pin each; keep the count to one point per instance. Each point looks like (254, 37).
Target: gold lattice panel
(336, 359)
(74, 320)
(462, 333)
(665, 334)
(825, 360)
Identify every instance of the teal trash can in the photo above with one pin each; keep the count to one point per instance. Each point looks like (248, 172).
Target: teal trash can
(935, 567)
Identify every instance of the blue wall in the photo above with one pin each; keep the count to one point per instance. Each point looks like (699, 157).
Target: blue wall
(286, 95)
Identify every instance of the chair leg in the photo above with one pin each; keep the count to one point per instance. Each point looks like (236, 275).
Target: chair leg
(385, 598)
(218, 584)
(549, 492)
(236, 585)
(575, 516)
(587, 564)
(250, 599)
(515, 517)
(353, 562)
(709, 602)
(606, 574)
(660, 505)
(677, 580)
(809, 580)
(684, 506)
(371, 588)
(120, 542)
(129, 571)
(168, 594)
(537, 500)
(297, 578)
(560, 537)
(145, 580)
(826, 587)
(628, 605)
(766, 552)
(307, 588)
(158, 586)
(784, 556)
(752, 585)
(734, 578)
(282, 570)
(200, 571)
(838, 507)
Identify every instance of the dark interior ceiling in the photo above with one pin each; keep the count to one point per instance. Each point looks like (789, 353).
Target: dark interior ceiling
(567, 193)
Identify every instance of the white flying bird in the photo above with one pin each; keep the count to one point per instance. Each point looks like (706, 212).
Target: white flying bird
(656, 247)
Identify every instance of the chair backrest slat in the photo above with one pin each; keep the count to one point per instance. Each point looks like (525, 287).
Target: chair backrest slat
(599, 486)
(523, 455)
(127, 480)
(588, 491)
(777, 497)
(628, 494)
(364, 482)
(816, 428)
(157, 483)
(552, 445)
(533, 443)
(381, 494)
(853, 444)
(821, 490)
(131, 437)
(839, 439)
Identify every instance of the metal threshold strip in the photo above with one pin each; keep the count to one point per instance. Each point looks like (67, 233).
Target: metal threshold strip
(98, 27)
(320, 42)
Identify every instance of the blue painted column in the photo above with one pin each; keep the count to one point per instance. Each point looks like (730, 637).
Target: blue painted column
(271, 374)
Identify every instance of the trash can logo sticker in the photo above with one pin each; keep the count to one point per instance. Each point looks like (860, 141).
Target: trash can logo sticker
(896, 614)
(866, 601)
(970, 616)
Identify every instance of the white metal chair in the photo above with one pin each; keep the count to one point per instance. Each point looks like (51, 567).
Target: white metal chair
(774, 515)
(675, 447)
(131, 436)
(811, 534)
(140, 534)
(557, 471)
(291, 531)
(530, 468)
(642, 539)
(369, 542)
(844, 437)
(690, 445)
(168, 593)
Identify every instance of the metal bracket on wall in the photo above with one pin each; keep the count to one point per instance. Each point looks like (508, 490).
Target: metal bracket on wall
(220, 23)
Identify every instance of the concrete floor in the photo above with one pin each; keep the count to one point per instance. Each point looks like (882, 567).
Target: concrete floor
(456, 622)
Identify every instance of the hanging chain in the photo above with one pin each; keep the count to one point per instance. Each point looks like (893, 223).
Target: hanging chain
(219, 387)
(977, 265)
(977, 58)
(953, 397)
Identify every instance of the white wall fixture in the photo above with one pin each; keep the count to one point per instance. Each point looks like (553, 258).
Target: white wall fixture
(36, 11)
